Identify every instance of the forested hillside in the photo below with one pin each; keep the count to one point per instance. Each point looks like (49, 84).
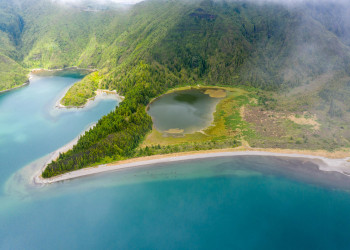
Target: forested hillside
(266, 45)
(51, 35)
(299, 51)
(12, 73)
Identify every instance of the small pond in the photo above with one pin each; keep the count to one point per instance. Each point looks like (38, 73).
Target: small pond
(185, 111)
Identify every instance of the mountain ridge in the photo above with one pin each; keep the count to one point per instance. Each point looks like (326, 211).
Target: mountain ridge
(254, 43)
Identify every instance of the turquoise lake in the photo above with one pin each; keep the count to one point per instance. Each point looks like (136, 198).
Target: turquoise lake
(245, 202)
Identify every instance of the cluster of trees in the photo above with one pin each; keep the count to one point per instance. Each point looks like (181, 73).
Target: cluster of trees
(181, 42)
(185, 147)
(14, 75)
(80, 92)
(116, 135)
(210, 41)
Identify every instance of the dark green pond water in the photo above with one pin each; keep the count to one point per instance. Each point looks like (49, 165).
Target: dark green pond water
(187, 110)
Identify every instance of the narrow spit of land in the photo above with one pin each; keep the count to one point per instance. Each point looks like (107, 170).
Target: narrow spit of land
(326, 161)
(234, 101)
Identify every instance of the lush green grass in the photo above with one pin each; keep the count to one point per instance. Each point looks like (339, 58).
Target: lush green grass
(248, 117)
(80, 92)
(228, 128)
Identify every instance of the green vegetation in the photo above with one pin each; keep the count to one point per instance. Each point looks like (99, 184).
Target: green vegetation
(80, 92)
(119, 133)
(11, 74)
(250, 117)
(287, 61)
(227, 123)
(268, 46)
(227, 131)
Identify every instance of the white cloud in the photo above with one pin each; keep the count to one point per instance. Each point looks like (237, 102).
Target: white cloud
(97, 1)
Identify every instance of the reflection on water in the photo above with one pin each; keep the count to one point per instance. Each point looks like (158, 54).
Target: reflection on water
(187, 111)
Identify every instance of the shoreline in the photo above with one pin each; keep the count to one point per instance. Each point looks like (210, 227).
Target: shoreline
(55, 154)
(20, 86)
(173, 90)
(41, 70)
(210, 122)
(326, 161)
(100, 93)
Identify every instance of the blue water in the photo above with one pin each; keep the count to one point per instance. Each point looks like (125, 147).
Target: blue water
(245, 202)
(31, 126)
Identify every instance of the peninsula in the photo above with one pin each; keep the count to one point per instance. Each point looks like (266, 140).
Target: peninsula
(278, 81)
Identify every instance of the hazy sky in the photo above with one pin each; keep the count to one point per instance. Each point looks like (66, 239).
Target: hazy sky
(276, 1)
(99, 1)
(286, 2)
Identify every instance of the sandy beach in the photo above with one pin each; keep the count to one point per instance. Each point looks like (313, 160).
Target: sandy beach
(326, 161)
(54, 155)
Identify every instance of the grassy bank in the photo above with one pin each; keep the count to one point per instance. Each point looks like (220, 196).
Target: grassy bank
(247, 117)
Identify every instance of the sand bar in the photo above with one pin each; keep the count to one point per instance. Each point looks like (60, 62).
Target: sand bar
(337, 162)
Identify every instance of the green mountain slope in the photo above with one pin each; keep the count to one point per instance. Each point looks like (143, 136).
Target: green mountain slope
(49, 35)
(299, 53)
(11, 74)
(250, 44)
(57, 36)
(216, 42)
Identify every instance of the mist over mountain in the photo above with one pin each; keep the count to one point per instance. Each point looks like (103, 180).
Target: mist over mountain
(97, 2)
(296, 51)
(270, 39)
(268, 44)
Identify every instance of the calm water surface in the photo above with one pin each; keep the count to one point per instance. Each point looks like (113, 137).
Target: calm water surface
(31, 126)
(226, 203)
(188, 110)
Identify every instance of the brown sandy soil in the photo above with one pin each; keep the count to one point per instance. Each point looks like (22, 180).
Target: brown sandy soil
(305, 121)
(216, 93)
(327, 161)
(174, 131)
(266, 123)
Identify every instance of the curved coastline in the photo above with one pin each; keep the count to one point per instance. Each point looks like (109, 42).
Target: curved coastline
(20, 86)
(40, 70)
(55, 154)
(338, 164)
(100, 94)
(326, 161)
